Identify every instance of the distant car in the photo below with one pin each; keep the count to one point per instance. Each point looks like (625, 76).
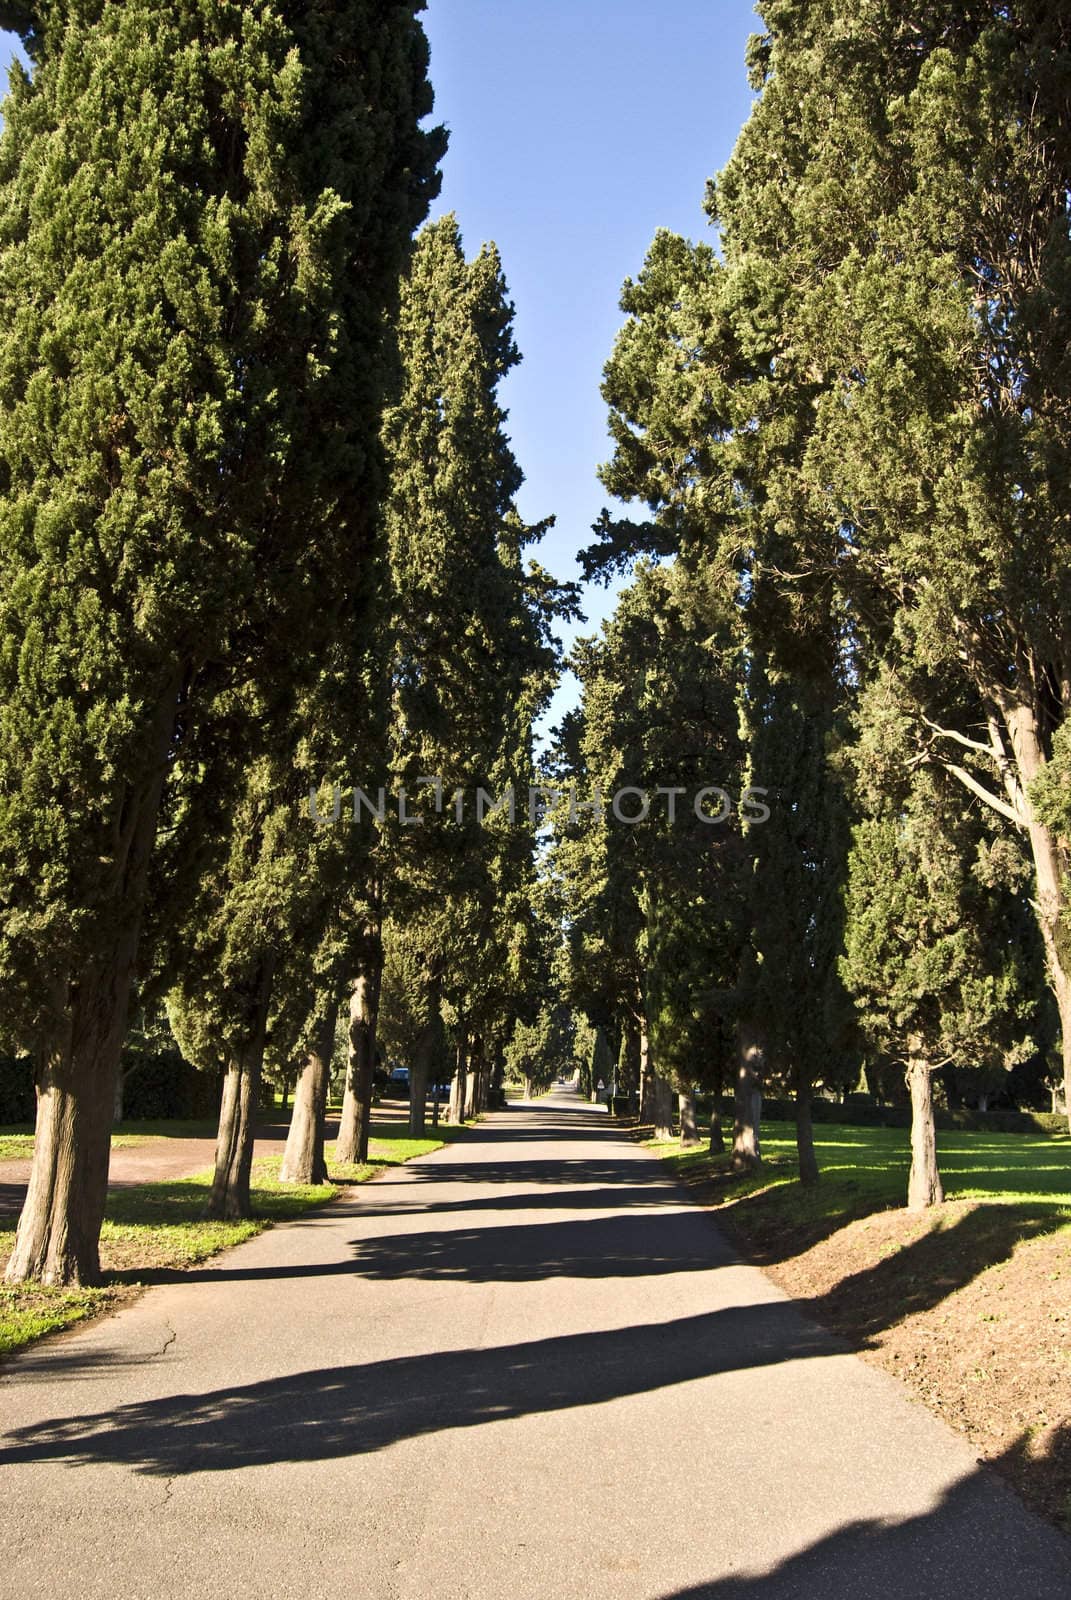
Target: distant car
(397, 1087)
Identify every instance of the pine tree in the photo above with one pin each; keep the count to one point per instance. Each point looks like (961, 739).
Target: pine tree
(202, 217)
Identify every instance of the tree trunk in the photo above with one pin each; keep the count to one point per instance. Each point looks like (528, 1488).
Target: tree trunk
(471, 1098)
(230, 1198)
(1050, 872)
(808, 1161)
(423, 1063)
(747, 1151)
(59, 1229)
(717, 1135)
(1050, 910)
(58, 1237)
(456, 1109)
(689, 1129)
(924, 1185)
(303, 1158)
(628, 1061)
(646, 1077)
(351, 1147)
(661, 1101)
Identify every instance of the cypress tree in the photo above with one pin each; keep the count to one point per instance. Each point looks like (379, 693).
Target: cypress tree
(471, 659)
(898, 203)
(651, 906)
(932, 984)
(203, 212)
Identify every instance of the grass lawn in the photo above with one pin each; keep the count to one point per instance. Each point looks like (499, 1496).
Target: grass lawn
(153, 1228)
(865, 1170)
(969, 1303)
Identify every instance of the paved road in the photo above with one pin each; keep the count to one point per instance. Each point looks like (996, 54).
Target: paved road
(522, 1367)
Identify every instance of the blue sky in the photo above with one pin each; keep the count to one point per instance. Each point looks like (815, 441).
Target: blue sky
(577, 128)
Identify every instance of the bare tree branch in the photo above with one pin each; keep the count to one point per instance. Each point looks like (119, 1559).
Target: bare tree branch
(960, 738)
(979, 789)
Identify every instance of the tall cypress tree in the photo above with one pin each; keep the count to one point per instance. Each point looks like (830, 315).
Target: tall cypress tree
(203, 212)
(898, 204)
(652, 905)
(470, 656)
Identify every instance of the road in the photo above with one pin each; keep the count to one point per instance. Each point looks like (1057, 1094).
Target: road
(525, 1366)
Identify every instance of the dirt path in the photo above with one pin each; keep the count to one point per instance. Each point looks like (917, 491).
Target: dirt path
(527, 1366)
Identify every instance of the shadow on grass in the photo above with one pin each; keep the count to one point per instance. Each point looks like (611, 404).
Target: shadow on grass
(773, 1219)
(920, 1275)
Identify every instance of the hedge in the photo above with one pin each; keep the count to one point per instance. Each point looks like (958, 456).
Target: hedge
(156, 1088)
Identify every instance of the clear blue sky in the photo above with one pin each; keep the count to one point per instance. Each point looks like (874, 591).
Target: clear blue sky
(577, 128)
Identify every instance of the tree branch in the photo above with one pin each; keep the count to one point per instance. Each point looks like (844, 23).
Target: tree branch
(979, 789)
(960, 738)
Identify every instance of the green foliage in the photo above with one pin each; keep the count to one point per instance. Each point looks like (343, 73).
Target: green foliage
(855, 423)
(540, 1051)
(189, 383)
(472, 656)
(800, 856)
(938, 962)
(650, 907)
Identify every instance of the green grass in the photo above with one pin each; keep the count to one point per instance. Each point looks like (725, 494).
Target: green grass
(160, 1227)
(391, 1147)
(865, 1170)
(974, 1166)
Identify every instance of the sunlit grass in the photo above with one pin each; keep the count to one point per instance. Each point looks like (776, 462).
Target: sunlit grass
(866, 1168)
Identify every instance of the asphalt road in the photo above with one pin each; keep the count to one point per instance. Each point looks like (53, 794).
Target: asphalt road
(523, 1367)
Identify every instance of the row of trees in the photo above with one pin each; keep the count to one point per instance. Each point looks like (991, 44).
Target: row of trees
(848, 433)
(258, 543)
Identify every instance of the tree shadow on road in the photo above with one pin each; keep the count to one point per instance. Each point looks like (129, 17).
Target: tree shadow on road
(344, 1411)
(615, 1246)
(975, 1543)
(590, 1197)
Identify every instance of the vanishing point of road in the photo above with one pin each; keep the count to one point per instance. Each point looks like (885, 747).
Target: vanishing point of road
(525, 1366)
